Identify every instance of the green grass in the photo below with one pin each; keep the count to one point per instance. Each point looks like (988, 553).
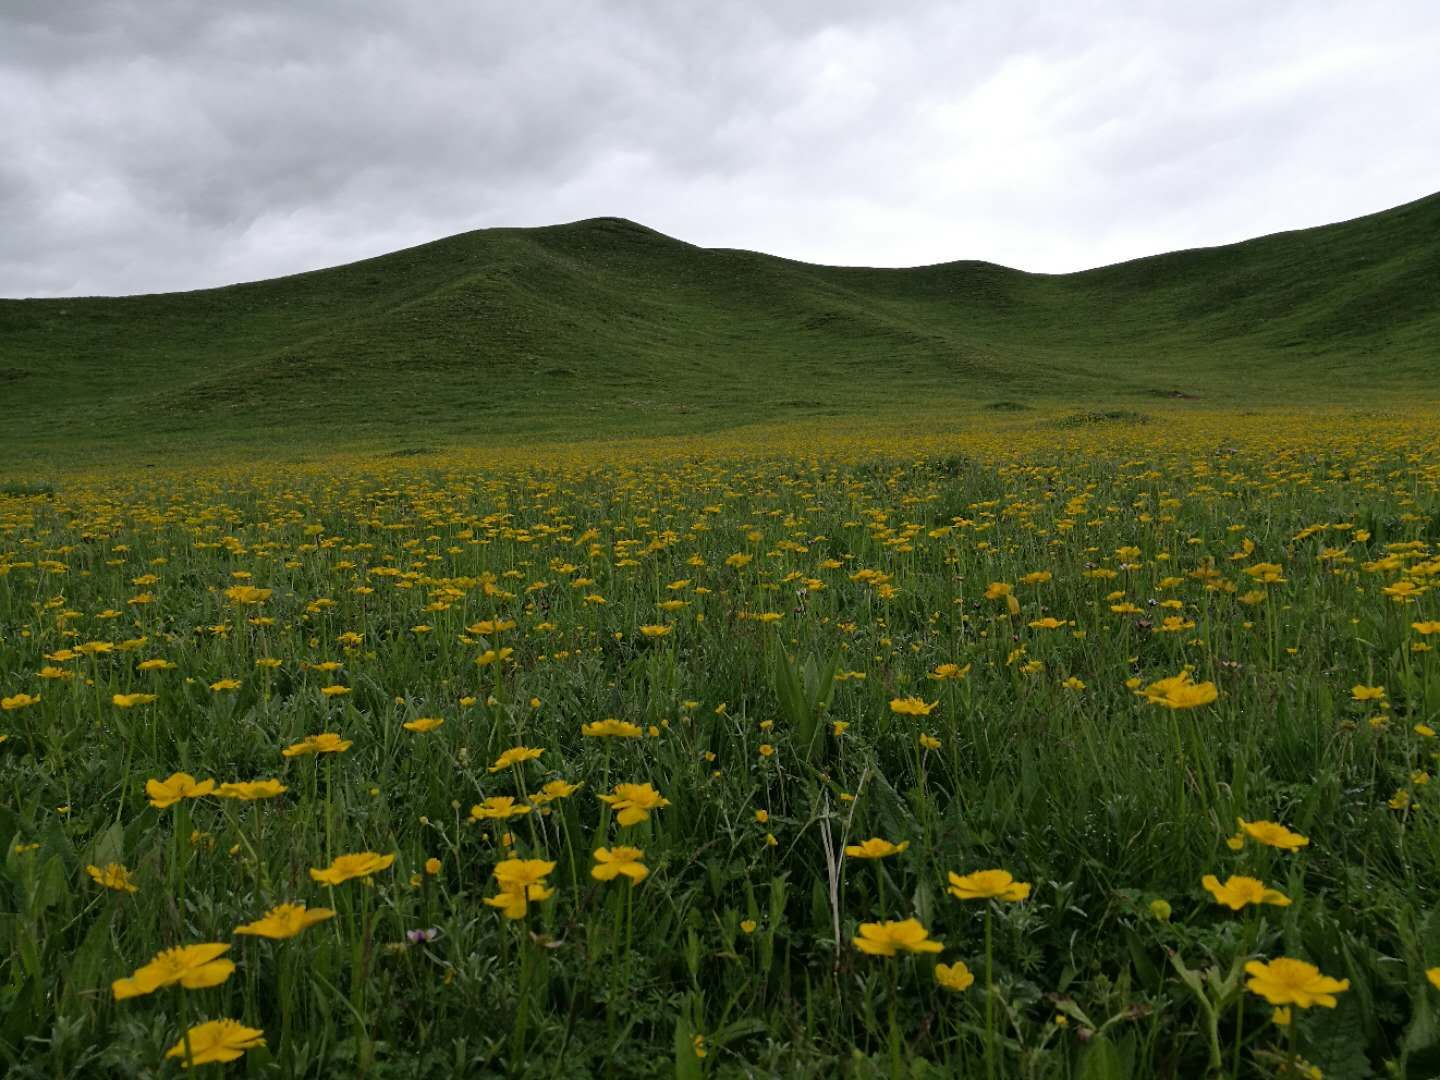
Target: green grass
(1266, 544)
(604, 328)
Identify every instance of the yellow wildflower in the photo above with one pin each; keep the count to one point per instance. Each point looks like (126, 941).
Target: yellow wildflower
(634, 802)
(987, 884)
(875, 848)
(1238, 891)
(194, 967)
(888, 938)
(610, 862)
(345, 867)
(285, 921)
(178, 786)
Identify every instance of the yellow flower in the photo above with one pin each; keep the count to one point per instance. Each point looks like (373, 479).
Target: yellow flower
(1239, 891)
(875, 848)
(956, 976)
(516, 755)
(766, 750)
(194, 967)
(1048, 623)
(929, 742)
(179, 786)
(1160, 909)
(1284, 981)
(1367, 693)
(951, 672)
(1272, 834)
(432, 866)
(554, 789)
(155, 665)
(747, 926)
(1403, 592)
(522, 882)
(325, 743)
(1266, 573)
(498, 808)
(1178, 692)
(1425, 629)
(634, 802)
(129, 701)
(1000, 590)
(656, 631)
(361, 865)
(912, 706)
(225, 684)
(18, 701)
(888, 938)
(250, 790)
(217, 1041)
(285, 921)
(1433, 974)
(618, 860)
(247, 594)
(334, 690)
(487, 627)
(113, 876)
(423, 724)
(611, 727)
(987, 884)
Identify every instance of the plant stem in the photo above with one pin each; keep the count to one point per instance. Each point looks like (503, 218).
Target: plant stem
(989, 1000)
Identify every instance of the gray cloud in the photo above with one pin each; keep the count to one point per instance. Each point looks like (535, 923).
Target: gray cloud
(163, 144)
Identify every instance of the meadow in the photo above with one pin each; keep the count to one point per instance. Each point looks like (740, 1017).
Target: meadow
(1084, 745)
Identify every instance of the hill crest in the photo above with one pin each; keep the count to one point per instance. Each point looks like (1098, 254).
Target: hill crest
(605, 326)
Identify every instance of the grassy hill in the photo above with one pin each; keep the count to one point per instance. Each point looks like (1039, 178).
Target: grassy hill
(605, 327)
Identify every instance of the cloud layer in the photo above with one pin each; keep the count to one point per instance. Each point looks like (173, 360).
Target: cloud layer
(163, 144)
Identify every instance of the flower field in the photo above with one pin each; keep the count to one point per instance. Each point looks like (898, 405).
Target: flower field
(1089, 750)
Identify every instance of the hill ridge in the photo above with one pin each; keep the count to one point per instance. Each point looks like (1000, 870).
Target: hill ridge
(606, 326)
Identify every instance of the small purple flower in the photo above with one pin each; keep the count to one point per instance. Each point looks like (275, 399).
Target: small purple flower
(417, 937)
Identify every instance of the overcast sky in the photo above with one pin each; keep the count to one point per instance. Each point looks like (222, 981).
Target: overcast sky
(171, 144)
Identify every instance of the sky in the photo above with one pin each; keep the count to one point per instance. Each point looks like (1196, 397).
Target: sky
(156, 145)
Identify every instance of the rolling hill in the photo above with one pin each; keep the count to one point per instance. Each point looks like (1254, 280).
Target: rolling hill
(605, 327)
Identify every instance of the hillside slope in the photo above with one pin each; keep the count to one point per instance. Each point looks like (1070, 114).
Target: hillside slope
(606, 327)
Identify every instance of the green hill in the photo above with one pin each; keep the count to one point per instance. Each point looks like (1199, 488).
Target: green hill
(605, 327)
